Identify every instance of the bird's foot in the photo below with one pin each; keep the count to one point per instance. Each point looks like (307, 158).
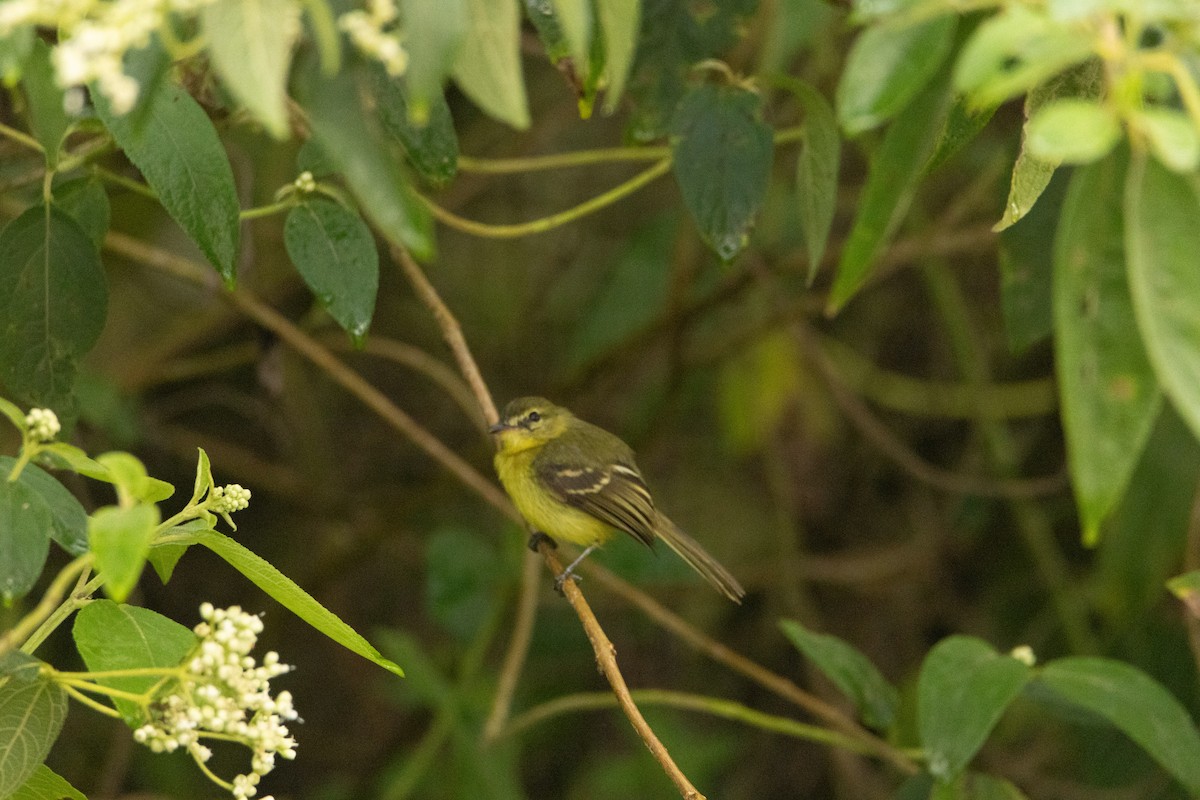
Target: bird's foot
(566, 575)
(536, 539)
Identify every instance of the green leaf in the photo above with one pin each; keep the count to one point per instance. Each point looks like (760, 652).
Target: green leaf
(348, 137)
(113, 636)
(47, 119)
(165, 557)
(54, 303)
(1187, 588)
(263, 575)
(891, 184)
(975, 786)
(434, 33)
(204, 479)
(61, 455)
(46, 784)
(1027, 269)
(32, 711)
(128, 474)
(14, 414)
(15, 48)
(1162, 241)
(250, 45)
(68, 520)
(722, 161)
(120, 539)
(853, 672)
(460, 589)
(575, 19)
(1172, 137)
(85, 201)
(488, 67)
(1071, 131)
(963, 688)
(963, 124)
(887, 67)
(619, 21)
(1107, 389)
(431, 147)
(1137, 705)
(24, 538)
(334, 251)
(816, 172)
(178, 151)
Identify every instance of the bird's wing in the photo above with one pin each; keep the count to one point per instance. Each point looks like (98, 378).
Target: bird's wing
(614, 494)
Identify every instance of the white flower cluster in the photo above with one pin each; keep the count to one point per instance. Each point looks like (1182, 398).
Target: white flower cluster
(225, 695)
(227, 499)
(369, 30)
(305, 183)
(43, 424)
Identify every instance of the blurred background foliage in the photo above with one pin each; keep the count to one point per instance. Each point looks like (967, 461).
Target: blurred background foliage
(890, 474)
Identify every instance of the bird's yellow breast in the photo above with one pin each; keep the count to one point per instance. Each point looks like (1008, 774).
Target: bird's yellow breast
(543, 510)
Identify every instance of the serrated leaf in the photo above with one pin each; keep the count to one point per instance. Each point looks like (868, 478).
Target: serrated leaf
(283, 589)
(1137, 705)
(1072, 132)
(853, 672)
(85, 201)
(432, 147)
(434, 34)
(32, 711)
(113, 636)
(68, 520)
(47, 119)
(54, 304)
(250, 44)
(120, 539)
(887, 67)
(355, 146)
(46, 784)
(619, 21)
(178, 151)
(891, 184)
(1162, 243)
(488, 67)
(24, 538)
(722, 161)
(334, 252)
(1107, 389)
(817, 169)
(963, 688)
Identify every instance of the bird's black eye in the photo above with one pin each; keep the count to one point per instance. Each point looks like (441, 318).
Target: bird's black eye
(532, 417)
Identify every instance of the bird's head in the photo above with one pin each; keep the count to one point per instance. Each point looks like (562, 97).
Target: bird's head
(529, 422)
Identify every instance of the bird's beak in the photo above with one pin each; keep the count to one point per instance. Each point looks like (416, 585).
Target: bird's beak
(499, 426)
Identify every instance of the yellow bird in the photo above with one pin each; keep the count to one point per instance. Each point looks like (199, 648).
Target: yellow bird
(578, 483)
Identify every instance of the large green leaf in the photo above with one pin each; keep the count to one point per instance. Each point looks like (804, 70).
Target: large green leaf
(68, 520)
(32, 711)
(53, 305)
(1108, 393)
(46, 784)
(120, 539)
(1162, 240)
(113, 636)
(178, 150)
(1136, 704)
(887, 67)
(283, 589)
(85, 201)
(334, 251)
(24, 538)
(722, 160)
(963, 688)
(488, 67)
(434, 34)
(854, 674)
(250, 45)
(891, 184)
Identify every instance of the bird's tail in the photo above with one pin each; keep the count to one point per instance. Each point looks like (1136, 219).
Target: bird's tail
(699, 559)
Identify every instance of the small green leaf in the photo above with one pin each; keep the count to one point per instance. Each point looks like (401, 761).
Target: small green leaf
(619, 21)
(120, 539)
(47, 119)
(722, 161)
(204, 479)
(165, 557)
(1027, 269)
(348, 137)
(113, 636)
(85, 201)
(181, 156)
(1108, 392)
(854, 674)
(1172, 136)
(61, 455)
(46, 784)
(1072, 132)
(250, 44)
(432, 147)
(1137, 705)
(1187, 588)
(434, 33)
(24, 538)
(488, 67)
(460, 589)
(54, 303)
(14, 414)
(817, 169)
(263, 575)
(891, 184)
(1162, 241)
(68, 520)
(32, 711)
(887, 67)
(128, 474)
(575, 19)
(963, 124)
(334, 251)
(963, 688)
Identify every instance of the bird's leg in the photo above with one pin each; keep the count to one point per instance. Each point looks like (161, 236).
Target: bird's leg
(569, 572)
(537, 537)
